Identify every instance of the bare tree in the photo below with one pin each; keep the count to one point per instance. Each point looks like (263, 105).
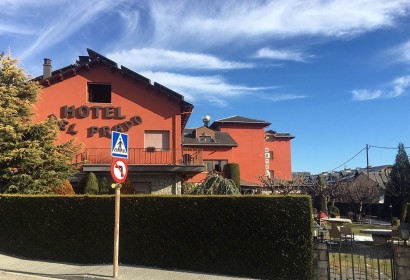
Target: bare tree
(361, 189)
(280, 186)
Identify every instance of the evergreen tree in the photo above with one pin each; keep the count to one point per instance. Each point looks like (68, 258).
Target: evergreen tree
(399, 183)
(105, 186)
(30, 161)
(91, 185)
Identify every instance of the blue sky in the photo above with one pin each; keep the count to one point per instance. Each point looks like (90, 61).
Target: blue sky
(335, 74)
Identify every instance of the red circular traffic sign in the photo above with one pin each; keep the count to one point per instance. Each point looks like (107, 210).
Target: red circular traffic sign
(119, 170)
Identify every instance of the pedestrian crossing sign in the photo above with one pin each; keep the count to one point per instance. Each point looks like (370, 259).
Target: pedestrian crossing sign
(119, 144)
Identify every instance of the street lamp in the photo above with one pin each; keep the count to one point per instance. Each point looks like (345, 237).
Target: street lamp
(404, 231)
(316, 231)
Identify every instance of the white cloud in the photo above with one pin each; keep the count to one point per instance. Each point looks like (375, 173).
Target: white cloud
(162, 59)
(400, 85)
(290, 55)
(402, 52)
(363, 94)
(211, 23)
(213, 89)
(395, 88)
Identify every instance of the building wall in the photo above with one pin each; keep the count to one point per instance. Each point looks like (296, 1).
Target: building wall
(156, 110)
(213, 153)
(281, 163)
(250, 151)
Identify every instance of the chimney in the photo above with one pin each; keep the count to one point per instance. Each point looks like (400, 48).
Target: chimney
(47, 68)
(82, 59)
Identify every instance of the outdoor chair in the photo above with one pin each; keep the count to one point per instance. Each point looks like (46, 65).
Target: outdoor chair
(347, 234)
(335, 235)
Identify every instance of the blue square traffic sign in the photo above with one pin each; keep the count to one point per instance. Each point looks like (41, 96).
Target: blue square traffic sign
(119, 144)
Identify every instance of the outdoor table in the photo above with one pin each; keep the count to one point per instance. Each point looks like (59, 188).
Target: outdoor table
(379, 236)
(338, 221)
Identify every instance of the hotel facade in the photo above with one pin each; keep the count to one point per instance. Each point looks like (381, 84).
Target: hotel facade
(95, 96)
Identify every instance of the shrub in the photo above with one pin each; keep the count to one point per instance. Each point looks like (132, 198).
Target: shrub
(188, 188)
(216, 184)
(232, 171)
(333, 211)
(91, 185)
(105, 186)
(79, 189)
(127, 187)
(65, 189)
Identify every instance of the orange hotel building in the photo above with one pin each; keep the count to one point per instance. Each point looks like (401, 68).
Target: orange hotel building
(95, 96)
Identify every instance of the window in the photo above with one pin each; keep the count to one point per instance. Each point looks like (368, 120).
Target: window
(205, 139)
(215, 165)
(156, 139)
(99, 93)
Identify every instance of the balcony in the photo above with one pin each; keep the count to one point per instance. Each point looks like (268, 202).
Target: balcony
(143, 156)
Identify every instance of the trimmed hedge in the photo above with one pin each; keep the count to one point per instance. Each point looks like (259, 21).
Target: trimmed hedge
(266, 237)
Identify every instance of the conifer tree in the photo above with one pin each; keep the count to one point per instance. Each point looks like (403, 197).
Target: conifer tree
(30, 161)
(91, 185)
(399, 183)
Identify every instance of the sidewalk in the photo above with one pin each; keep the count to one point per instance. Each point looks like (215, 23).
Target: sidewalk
(13, 268)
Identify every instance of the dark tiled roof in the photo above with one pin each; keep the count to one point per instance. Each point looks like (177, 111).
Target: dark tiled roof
(94, 58)
(239, 120)
(221, 139)
(275, 134)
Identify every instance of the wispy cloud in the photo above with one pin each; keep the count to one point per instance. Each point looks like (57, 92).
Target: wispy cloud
(401, 53)
(162, 59)
(64, 24)
(213, 89)
(290, 55)
(395, 88)
(364, 94)
(210, 23)
(284, 97)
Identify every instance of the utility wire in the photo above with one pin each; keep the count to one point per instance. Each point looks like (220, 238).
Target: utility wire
(388, 148)
(368, 147)
(349, 159)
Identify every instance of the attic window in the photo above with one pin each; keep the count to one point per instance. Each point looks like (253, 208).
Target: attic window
(99, 93)
(205, 139)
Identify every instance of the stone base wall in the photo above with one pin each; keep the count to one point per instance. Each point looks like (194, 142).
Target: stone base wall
(402, 262)
(160, 183)
(320, 261)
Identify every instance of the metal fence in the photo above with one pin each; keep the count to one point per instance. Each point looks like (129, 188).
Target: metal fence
(360, 262)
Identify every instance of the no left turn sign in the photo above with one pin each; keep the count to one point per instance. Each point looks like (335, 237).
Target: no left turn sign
(119, 170)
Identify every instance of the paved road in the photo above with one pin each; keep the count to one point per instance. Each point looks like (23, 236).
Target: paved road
(13, 268)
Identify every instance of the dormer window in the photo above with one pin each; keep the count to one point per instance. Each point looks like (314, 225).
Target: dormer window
(205, 139)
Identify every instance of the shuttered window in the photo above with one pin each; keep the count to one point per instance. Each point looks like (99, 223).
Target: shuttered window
(157, 139)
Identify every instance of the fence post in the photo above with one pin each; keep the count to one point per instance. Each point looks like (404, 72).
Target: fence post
(402, 261)
(320, 263)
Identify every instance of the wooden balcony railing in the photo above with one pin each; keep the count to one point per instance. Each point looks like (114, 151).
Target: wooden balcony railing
(143, 156)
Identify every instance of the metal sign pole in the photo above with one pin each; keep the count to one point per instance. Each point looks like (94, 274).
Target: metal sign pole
(116, 229)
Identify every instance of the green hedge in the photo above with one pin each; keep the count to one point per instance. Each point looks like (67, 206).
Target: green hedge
(267, 237)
